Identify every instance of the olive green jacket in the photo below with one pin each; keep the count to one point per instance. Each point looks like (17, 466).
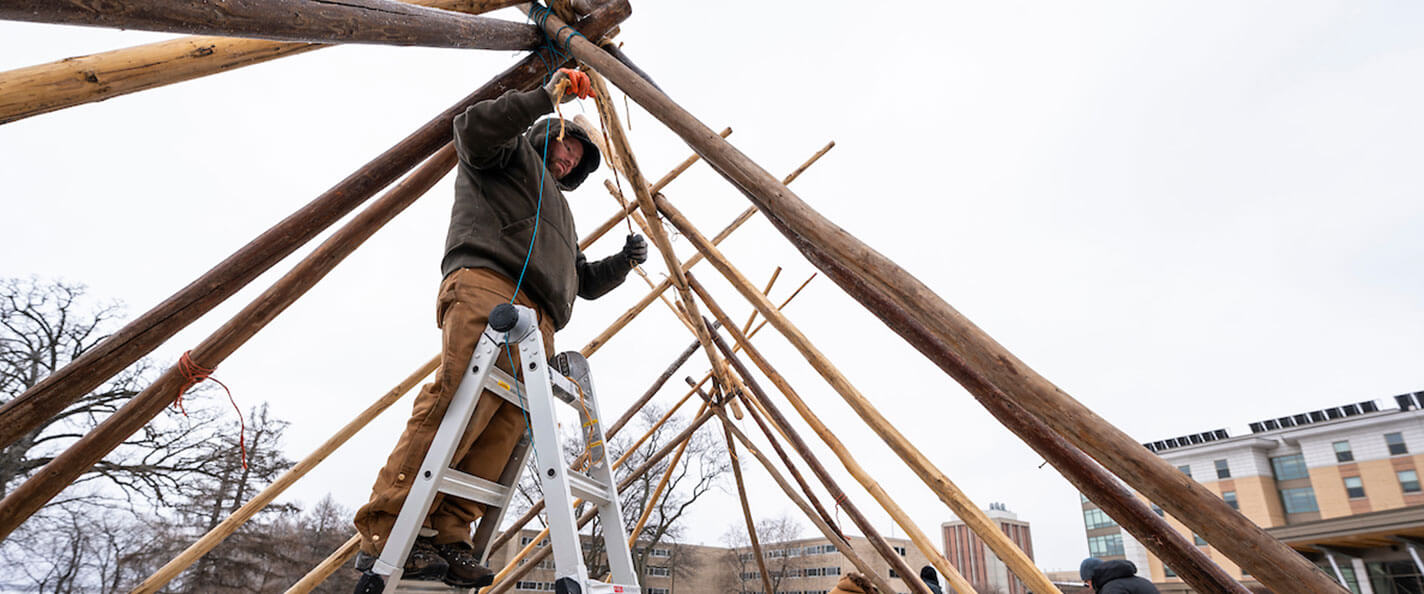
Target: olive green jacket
(500, 172)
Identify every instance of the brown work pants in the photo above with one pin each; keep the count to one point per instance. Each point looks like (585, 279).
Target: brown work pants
(466, 298)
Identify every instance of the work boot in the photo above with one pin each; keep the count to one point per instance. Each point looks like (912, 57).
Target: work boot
(423, 562)
(465, 569)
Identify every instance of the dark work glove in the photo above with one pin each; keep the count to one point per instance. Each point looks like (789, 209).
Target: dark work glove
(635, 249)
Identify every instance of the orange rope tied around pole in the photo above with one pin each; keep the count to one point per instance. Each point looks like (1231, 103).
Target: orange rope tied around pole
(194, 374)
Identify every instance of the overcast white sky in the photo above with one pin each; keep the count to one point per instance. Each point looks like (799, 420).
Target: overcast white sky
(1189, 216)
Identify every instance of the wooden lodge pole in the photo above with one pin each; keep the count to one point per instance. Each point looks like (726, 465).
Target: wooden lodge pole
(746, 506)
(234, 521)
(945, 489)
(628, 208)
(139, 337)
(538, 506)
(921, 540)
(1183, 556)
(988, 531)
(822, 522)
(43, 88)
(328, 566)
(383, 22)
(736, 223)
(1267, 559)
(622, 155)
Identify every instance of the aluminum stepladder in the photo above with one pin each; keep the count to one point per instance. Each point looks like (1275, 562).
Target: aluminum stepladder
(517, 327)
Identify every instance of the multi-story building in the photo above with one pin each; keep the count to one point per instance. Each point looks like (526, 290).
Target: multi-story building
(805, 566)
(813, 565)
(1339, 485)
(668, 568)
(979, 565)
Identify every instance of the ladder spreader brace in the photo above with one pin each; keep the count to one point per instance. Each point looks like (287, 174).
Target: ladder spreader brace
(567, 380)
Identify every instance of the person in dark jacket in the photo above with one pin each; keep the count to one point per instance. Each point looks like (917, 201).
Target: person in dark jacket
(931, 579)
(1114, 577)
(511, 237)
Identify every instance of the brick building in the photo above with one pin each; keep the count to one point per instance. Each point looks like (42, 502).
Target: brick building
(976, 562)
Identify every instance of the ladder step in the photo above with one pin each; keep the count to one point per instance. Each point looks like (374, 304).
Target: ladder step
(584, 487)
(469, 486)
(502, 384)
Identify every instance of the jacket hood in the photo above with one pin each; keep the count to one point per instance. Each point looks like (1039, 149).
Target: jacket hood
(1111, 570)
(591, 158)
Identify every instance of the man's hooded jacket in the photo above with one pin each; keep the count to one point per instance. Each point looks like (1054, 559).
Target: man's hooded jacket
(501, 171)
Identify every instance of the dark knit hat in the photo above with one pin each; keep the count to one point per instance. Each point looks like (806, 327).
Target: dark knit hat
(549, 127)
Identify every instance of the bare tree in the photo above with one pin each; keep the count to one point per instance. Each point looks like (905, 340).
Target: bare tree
(253, 558)
(773, 534)
(43, 326)
(104, 529)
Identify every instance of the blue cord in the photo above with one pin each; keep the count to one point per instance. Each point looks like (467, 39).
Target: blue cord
(539, 17)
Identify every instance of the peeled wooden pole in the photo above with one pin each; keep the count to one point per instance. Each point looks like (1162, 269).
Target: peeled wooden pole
(328, 566)
(139, 337)
(77, 80)
(736, 223)
(628, 208)
(1189, 562)
(623, 156)
(746, 506)
(31, 495)
(817, 517)
(949, 493)
(657, 491)
(383, 22)
(1267, 559)
(917, 536)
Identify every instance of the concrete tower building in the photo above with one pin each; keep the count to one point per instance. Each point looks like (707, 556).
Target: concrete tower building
(976, 562)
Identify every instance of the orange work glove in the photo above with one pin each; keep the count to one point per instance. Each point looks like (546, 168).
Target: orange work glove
(568, 83)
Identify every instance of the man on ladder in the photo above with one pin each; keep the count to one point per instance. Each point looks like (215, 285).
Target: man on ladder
(511, 240)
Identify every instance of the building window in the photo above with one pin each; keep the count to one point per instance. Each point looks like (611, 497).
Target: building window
(1354, 487)
(1186, 469)
(1083, 497)
(899, 550)
(1395, 441)
(1222, 470)
(534, 586)
(1303, 499)
(660, 552)
(1201, 542)
(1105, 546)
(1167, 571)
(1157, 509)
(1409, 481)
(658, 571)
(893, 575)
(659, 591)
(1343, 453)
(1095, 518)
(1289, 467)
(1230, 498)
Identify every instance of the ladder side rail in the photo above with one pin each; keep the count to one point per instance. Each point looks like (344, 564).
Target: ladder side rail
(559, 513)
(610, 513)
(425, 484)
